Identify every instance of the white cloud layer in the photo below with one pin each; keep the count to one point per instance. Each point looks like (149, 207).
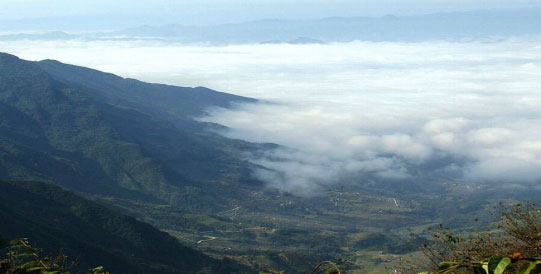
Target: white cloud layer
(459, 111)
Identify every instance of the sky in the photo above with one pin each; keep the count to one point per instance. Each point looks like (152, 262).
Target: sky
(124, 13)
(460, 111)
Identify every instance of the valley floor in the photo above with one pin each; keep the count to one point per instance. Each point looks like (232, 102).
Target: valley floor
(365, 233)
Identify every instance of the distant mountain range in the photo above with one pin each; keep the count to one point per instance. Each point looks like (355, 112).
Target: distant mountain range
(486, 24)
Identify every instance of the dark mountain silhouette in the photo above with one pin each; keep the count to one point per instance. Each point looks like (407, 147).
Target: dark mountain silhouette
(60, 221)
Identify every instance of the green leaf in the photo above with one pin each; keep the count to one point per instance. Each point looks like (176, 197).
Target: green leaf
(31, 264)
(498, 265)
(531, 268)
(24, 255)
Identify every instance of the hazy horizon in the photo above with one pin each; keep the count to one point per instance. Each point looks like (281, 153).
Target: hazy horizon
(100, 15)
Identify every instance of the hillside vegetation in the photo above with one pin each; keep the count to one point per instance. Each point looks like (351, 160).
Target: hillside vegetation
(101, 134)
(61, 222)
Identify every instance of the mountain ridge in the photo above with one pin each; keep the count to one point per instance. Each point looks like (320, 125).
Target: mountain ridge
(86, 137)
(485, 25)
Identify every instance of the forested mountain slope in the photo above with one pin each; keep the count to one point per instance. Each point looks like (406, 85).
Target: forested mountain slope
(170, 101)
(58, 220)
(101, 134)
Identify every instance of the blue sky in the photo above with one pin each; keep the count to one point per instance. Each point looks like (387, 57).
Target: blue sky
(227, 11)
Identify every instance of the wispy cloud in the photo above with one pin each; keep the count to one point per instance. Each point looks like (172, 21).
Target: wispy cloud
(395, 111)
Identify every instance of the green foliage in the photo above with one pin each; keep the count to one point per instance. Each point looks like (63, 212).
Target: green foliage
(533, 267)
(494, 265)
(22, 258)
(514, 247)
(498, 265)
(98, 270)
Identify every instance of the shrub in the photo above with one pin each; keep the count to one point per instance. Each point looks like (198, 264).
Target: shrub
(513, 246)
(22, 258)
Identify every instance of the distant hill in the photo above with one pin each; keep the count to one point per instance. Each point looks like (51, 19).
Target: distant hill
(486, 25)
(54, 35)
(473, 25)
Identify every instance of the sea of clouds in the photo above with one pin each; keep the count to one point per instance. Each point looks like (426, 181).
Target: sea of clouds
(455, 111)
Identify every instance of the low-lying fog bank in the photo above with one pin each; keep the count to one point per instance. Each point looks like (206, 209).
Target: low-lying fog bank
(459, 111)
